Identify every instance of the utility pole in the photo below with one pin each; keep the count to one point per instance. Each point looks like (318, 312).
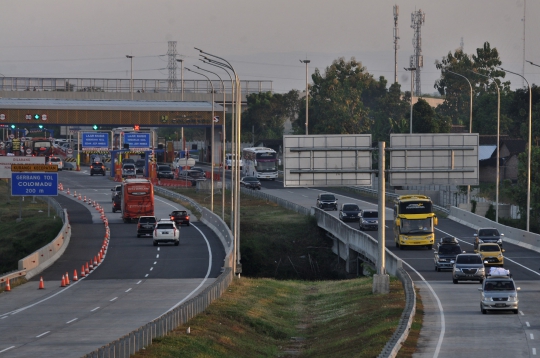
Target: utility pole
(396, 38)
(307, 93)
(412, 70)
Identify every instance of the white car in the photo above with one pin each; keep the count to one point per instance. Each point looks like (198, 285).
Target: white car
(166, 231)
(56, 161)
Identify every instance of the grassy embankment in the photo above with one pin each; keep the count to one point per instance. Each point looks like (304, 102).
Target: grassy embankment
(312, 308)
(35, 230)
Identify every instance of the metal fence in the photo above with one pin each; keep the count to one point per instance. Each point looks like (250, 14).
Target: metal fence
(124, 85)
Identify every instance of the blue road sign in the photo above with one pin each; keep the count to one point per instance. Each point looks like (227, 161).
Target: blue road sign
(137, 140)
(38, 184)
(95, 140)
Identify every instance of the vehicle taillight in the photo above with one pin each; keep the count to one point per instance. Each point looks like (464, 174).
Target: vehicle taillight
(172, 217)
(187, 217)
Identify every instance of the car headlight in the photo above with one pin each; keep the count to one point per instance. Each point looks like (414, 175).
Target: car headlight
(481, 241)
(481, 269)
(484, 298)
(499, 241)
(457, 269)
(512, 299)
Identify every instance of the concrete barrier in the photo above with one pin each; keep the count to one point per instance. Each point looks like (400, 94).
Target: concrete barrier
(512, 235)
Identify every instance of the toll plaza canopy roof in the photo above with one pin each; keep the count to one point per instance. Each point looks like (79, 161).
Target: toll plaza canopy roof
(105, 105)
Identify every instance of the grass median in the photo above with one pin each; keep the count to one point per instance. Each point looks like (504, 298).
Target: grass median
(294, 297)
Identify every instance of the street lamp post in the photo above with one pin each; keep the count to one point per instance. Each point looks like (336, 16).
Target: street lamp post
(211, 142)
(307, 93)
(529, 146)
(470, 125)
(223, 146)
(131, 81)
(498, 145)
(181, 77)
(412, 69)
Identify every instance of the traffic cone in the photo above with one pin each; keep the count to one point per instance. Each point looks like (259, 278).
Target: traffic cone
(84, 199)
(67, 191)
(82, 272)
(80, 197)
(95, 262)
(8, 287)
(75, 194)
(41, 284)
(91, 265)
(63, 283)
(75, 278)
(87, 270)
(67, 280)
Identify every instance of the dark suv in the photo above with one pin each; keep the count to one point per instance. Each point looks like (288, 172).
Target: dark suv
(97, 168)
(164, 172)
(180, 217)
(140, 164)
(146, 225)
(487, 235)
(445, 255)
(327, 201)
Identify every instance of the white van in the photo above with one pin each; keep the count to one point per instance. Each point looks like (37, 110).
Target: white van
(229, 161)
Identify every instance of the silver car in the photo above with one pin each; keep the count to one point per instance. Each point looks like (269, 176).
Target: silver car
(499, 293)
(468, 267)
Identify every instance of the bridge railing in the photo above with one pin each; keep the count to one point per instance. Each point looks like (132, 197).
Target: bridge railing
(124, 85)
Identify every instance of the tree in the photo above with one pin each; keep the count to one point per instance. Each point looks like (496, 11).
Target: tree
(457, 91)
(425, 120)
(390, 114)
(336, 105)
(520, 190)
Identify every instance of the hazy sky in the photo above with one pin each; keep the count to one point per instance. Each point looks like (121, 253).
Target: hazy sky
(264, 40)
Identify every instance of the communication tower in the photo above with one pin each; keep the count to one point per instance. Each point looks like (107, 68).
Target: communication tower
(171, 65)
(396, 38)
(417, 60)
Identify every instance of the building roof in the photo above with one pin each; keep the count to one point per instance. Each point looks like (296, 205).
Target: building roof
(105, 105)
(486, 151)
(515, 146)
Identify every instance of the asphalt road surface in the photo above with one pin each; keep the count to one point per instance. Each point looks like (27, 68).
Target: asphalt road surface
(136, 283)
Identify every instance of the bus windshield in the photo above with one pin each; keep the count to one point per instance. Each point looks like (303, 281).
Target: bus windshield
(419, 226)
(266, 166)
(415, 207)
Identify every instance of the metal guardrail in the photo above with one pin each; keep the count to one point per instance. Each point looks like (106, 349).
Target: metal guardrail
(142, 337)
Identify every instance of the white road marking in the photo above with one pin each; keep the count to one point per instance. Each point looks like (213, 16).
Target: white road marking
(151, 268)
(114, 299)
(129, 289)
(73, 320)
(532, 336)
(155, 262)
(138, 283)
(158, 248)
(94, 309)
(4, 317)
(533, 351)
(527, 323)
(157, 256)
(146, 275)
(8, 348)
(42, 334)
(521, 313)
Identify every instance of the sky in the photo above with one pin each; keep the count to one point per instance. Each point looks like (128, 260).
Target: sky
(263, 40)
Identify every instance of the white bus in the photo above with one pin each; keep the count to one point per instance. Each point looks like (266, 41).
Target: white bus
(260, 162)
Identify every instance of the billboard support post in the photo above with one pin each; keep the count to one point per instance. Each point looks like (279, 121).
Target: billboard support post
(381, 280)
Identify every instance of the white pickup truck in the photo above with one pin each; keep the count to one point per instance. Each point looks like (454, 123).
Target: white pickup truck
(229, 160)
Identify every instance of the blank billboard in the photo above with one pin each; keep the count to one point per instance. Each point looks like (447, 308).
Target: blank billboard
(326, 160)
(431, 159)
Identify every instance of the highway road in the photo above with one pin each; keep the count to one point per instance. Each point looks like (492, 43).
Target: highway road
(453, 324)
(135, 284)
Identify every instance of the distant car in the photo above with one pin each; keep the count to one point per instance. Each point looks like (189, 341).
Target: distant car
(199, 169)
(180, 217)
(56, 161)
(164, 172)
(117, 204)
(499, 293)
(129, 170)
(487, 235)
(250, 183)
(146, 225)
(491, 253)
(97, 168)
(445, 254)
(448, 240)
(117, 190)
(369, 220)
(140, 164)
(128, 161)
(468, 267)
(191, 175)
(349, 212)
(166, 231)
(327, 201)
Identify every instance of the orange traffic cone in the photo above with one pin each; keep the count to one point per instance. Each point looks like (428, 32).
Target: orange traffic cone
(84, 199)
(63, 283)
(75, 194)
(67, 191)
(8, 287)
(91, 265)
(82, 271)
(80, 197)
(95, 262)
(87, 270)
(67, 279)
(41, 285)
(75, 278)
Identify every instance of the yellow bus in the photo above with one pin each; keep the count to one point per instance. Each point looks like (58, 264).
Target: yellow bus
(414, 221)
